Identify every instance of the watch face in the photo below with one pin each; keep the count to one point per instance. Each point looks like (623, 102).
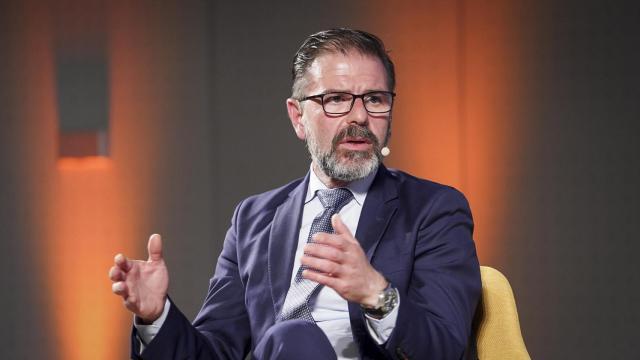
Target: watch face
(387, 301)
(390, 299)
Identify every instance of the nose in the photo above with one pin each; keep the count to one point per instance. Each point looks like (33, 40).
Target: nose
(358, 114)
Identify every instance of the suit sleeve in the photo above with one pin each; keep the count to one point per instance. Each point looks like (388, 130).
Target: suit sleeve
(438, 302)
(221, 329)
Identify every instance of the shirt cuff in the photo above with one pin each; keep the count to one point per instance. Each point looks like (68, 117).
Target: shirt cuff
(146, 333)
(381, 329)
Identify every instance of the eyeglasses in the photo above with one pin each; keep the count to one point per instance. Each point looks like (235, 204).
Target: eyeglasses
(341, 103)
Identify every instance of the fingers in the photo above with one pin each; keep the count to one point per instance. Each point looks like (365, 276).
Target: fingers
(120, 288)
(115, 274)
(325, 252)
(154, 248)
(321, 265)
(320, 278)
(122, 262)
(340, 228)
(332, 240)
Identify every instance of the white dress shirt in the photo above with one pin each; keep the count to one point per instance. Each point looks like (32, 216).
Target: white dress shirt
(330, 311)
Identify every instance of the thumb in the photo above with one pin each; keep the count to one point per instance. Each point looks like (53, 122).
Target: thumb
(339, 227)
(154, 247)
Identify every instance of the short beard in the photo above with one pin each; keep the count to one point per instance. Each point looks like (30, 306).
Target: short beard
(356, 164)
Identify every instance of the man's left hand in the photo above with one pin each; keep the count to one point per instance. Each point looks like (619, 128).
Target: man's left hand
(338, 261)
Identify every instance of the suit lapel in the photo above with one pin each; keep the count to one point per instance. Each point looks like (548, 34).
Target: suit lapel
(377, 211)
(283, 241)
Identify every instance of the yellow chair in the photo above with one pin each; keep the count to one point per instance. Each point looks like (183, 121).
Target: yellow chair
(496, 323)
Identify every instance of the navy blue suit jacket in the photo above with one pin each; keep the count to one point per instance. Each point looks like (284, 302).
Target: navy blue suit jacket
(417, 233)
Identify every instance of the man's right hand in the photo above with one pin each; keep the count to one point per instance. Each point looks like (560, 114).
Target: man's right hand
(142, 284)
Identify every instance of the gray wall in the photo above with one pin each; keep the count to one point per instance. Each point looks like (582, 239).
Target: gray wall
(571, 247)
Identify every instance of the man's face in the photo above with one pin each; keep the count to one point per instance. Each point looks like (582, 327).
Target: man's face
(344, 147)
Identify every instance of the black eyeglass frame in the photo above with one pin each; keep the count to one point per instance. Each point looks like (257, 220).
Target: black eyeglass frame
(353, 101)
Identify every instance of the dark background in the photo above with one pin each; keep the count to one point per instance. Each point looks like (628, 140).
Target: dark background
(208, 86)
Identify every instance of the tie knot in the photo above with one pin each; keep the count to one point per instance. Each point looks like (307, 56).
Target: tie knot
(334, 198)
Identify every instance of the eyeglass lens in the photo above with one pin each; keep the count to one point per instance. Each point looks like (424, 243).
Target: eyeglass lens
(340, 103)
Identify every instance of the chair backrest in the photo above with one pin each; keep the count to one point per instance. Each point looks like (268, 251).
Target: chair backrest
(496, 323)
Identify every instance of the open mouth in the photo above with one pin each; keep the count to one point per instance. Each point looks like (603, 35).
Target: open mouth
(355, 143)
(357, 139)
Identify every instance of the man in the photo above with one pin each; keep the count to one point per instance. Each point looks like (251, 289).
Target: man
(352, 261)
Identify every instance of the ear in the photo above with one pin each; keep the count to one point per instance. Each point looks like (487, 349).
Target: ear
(294, 109)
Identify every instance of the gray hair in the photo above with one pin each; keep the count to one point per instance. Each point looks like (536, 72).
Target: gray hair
(340, 40)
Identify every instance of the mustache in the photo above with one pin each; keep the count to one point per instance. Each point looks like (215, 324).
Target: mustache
(355, 131)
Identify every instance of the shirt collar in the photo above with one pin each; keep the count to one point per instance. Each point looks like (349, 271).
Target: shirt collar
(358, 188)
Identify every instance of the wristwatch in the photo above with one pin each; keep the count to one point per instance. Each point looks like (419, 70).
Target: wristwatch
(387, 301)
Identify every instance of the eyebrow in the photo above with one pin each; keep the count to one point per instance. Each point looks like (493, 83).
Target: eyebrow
(334, 90)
